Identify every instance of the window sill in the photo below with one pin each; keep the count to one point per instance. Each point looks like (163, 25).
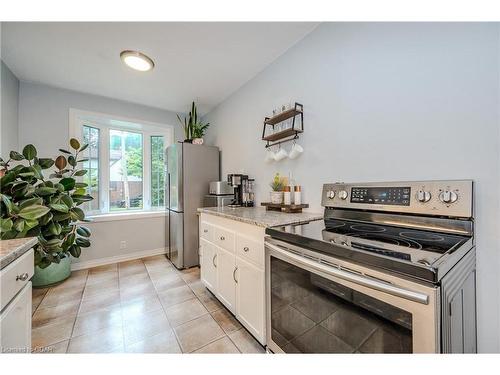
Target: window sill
(98, 218)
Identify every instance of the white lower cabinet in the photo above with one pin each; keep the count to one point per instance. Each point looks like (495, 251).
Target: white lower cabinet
(249, 291)
(226, 286)
(208, 266)
(15, 323)
(235, 276)
(15, 305)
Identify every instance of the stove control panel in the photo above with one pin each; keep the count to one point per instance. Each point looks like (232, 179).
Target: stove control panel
(440, 198)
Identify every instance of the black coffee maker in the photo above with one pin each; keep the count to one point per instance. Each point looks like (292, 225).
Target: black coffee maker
(243, 190)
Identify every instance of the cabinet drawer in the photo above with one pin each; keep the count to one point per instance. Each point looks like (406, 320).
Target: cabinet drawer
(250, 249)
(224, 238)
(206, 231)
(15, 276)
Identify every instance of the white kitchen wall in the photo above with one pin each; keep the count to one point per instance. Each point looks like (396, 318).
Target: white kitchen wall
(393, 101)
(9, 111)
(44, 121)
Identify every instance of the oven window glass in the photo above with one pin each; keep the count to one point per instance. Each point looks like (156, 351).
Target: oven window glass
(311, 314)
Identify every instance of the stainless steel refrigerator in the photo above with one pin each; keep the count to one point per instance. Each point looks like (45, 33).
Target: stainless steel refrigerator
(190, 169)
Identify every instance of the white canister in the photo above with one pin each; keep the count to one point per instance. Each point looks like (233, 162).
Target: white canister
(287, 195)
(297, 199)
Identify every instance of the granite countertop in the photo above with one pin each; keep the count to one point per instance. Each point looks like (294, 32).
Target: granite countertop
(10, 250)
(259, 216)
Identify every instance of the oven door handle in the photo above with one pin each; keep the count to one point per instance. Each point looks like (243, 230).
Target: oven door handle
(359, 279)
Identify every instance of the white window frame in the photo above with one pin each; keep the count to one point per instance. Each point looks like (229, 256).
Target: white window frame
(105, 122)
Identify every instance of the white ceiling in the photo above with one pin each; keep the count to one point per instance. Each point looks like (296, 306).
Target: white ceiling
(205, 62)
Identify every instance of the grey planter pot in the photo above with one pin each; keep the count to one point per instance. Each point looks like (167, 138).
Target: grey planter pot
(53, 274)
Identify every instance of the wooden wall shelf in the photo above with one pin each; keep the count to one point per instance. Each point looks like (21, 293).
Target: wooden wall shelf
(284, 134)
(288, 134)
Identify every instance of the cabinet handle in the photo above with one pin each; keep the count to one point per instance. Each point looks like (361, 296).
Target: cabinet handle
(234, 275)
(205, 230)
(222, 238)
(22, 277)
(213, 260)
(245, 249)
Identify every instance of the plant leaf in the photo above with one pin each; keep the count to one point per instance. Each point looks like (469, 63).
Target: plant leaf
(14, 155)
(81, 172)
(61, 162)
(45, 191)
(83, 231)
(68, 183)
(59, 207)
(45, 163)
(64, 151)
(84, 147)
(29, 152)
(74, 143)
(72, 161)
(33, 212)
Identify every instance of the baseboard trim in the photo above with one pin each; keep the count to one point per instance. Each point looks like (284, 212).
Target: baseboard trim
(117, 258)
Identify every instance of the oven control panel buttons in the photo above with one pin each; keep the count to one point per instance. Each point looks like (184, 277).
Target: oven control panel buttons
(448, 196)
(330, 194)
(424, 196)
(343, 194)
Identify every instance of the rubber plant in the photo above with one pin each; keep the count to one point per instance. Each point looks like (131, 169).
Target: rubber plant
(33, 205)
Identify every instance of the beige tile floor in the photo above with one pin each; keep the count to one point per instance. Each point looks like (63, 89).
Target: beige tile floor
(139, 306)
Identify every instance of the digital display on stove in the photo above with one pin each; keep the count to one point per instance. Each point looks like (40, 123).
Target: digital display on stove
(396, 196)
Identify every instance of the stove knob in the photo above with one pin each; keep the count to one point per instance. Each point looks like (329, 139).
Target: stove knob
(343, 195)
(330, 194)
(448, 196)
(423, 196)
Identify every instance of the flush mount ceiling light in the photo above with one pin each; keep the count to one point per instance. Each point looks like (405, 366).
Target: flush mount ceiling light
(137, 60)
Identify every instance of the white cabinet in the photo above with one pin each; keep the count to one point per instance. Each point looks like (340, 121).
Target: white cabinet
(249, 291)
(226, 286)
(15, 323)
(208, 265)
(232, 267)
(15, 305)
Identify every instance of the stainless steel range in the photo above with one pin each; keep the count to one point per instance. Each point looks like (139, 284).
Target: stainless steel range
(391, 268)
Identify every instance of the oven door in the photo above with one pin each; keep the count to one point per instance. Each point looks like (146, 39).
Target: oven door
(325, 305)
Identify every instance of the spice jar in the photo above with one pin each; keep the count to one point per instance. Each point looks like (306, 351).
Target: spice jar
(297, 199)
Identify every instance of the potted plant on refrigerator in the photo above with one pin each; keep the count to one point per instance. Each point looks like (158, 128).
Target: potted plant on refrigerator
(194, 129)
(277, 185)
(33, 205)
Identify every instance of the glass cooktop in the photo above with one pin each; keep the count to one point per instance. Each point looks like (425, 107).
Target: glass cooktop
(396, 243)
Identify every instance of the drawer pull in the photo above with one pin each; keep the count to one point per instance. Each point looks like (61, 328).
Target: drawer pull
(22, 277)
(222, 238)
(246, 249)
(213, 260)
(205, 230)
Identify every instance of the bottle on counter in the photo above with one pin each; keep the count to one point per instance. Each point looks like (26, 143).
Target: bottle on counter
(297, 195)
(287, 196)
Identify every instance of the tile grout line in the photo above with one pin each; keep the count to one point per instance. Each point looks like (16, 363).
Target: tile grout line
(163, 307)
(77, 311)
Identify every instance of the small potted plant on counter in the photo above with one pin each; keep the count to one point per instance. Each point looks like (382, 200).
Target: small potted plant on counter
(33, 205)
(277, 185)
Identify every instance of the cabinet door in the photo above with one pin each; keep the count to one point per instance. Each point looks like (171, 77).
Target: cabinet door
(207, 261)
(15, 323)
(250, 297)
(226, 286)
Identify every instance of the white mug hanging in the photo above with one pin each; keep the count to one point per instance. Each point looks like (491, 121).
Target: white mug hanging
(269, 158)
(296, 151)
(280, 154)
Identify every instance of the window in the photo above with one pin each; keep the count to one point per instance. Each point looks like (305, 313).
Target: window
(124, 162)
(91, 164)
(125, 170)
(157, 171)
